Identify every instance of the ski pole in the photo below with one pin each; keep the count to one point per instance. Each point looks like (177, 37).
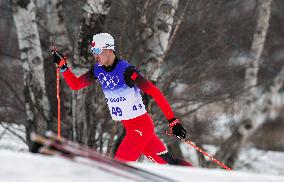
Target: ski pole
(203, 152)
(57, 95)
(58, 102)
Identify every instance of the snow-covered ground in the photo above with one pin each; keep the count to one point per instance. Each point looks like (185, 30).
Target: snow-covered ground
(17, 165)
(27, 167)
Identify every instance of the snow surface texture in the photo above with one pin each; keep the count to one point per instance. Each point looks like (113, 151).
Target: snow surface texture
(17, 165)
(27, 167)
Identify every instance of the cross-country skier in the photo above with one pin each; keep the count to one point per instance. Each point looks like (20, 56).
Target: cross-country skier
(121, 84)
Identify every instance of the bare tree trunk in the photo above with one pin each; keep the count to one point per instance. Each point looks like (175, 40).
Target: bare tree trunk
(247, 120)
(57, 28)
(158, 38)
(36, 102)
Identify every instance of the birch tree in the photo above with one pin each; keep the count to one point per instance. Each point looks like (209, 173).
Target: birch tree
(36, 102)
(57, 27)
(158, 37)
(248, 122)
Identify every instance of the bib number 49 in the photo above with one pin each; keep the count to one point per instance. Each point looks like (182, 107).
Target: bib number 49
(116, 111)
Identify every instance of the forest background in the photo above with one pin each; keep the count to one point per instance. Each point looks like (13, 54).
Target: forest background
(219, 63)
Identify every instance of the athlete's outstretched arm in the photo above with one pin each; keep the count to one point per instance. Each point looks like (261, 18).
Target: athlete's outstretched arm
(77, 83)
(132, 75)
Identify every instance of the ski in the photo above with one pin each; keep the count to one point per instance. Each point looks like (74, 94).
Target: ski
(52, 145)
(47, 151)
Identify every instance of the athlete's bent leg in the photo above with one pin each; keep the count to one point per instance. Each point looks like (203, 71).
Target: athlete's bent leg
(154, 148)
(139, 131)
(157, 152)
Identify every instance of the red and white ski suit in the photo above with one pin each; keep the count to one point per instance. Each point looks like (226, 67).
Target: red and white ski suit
(140, 136)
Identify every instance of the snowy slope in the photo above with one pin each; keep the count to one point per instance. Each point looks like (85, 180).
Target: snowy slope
(17, 165)
(27, 167)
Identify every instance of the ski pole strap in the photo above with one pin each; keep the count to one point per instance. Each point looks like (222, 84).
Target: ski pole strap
(203, 152)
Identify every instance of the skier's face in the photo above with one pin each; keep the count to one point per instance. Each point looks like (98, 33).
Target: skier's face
(106, 57)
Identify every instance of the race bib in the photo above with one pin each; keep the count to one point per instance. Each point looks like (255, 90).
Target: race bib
(124, 102)
(126, 106)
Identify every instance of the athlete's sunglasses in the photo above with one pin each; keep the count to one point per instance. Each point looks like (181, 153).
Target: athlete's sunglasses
(96, 51)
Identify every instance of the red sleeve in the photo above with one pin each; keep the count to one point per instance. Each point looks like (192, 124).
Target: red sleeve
(77, 83)
(150, 89)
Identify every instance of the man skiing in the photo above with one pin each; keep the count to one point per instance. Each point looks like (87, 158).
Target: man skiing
(121, 84)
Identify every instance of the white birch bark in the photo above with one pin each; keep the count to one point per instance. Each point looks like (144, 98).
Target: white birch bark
(264, 10)
(92, 11)
(37, 104)
(249, 119)
(57, 27)
(157, 42)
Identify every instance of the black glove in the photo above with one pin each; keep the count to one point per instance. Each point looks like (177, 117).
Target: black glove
(177, 129)
(59, 60)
